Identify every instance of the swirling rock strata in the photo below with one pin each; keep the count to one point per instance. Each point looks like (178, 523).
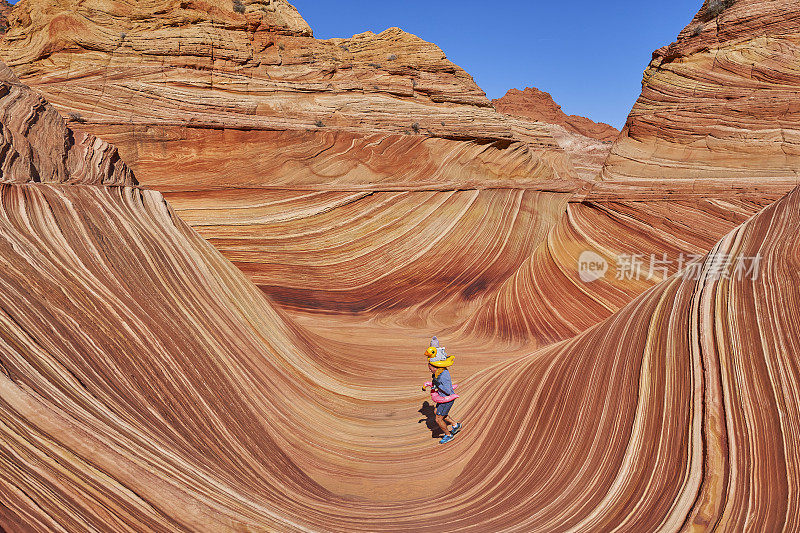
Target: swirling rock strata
(37, 146)
(698, 404)
(205, 161)
(101, 341)
(642, 242)
(157, 79)
(421, 253)
(147, 384)
(719, 104)
(212, 109)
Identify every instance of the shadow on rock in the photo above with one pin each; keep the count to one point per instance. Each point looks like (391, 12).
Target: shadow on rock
(429, 413)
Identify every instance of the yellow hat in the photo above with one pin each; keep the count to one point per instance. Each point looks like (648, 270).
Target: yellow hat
(443, 364)
(430, 352)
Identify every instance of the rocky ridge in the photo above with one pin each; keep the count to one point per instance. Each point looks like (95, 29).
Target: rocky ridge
(539, 106)
(587, 143)
(37, 147)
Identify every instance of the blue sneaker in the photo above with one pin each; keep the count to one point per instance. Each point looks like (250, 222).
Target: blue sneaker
(456, 429)
(446, 439)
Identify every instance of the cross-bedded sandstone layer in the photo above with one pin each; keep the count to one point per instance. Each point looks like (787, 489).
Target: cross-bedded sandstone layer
(157, 78)
(39, 148)
(333, 213)
(237, 105)
(222, 115)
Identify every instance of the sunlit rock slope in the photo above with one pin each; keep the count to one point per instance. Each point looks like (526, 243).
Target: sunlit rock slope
(228, 86)
(370, 176)
(587, 143)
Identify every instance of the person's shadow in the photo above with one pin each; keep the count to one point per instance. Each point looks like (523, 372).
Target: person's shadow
(429, 413)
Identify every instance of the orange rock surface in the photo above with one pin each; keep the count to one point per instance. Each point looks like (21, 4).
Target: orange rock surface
(546, 301)
(231, 87)
(147, 384)
(334, 218)
(215, 110)
(255, 128)
(587, 143)
(40, 148)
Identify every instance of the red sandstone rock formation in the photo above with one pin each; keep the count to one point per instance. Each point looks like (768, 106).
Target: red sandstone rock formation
(378, 137)
(40, 148)
(686, 355)
(333, 218)
(546, 301)
(539, 106)
(168, 81)
(668, 188)
(146, 384)
(586, 142)
(221, 117)
(720, 103)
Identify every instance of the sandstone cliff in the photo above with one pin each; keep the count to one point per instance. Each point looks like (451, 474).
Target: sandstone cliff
(720, 103)
(665, 385)
(331, 212)
(664, 196)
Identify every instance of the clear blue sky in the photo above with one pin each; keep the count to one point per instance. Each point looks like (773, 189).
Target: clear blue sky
(589, 55)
